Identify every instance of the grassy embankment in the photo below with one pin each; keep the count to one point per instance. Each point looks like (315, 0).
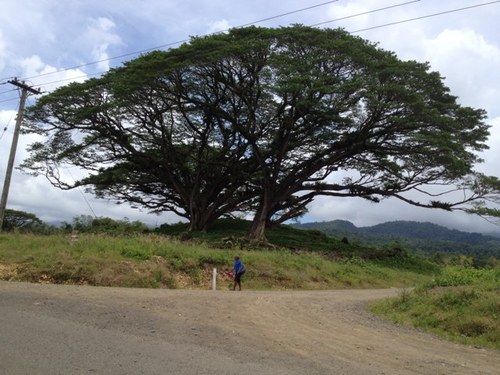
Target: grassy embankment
(460, 303)
(295, 259)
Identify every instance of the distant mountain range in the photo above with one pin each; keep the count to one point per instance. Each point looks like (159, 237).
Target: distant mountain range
(423, 237)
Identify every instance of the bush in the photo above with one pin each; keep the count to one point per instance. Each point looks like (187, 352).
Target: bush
(88, 224)
(462, 303)
(456, 276)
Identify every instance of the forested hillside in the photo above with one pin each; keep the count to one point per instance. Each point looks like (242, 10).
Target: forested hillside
(417, 236)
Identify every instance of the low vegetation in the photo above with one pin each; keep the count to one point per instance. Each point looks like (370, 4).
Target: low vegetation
(182, 260)
(451, 298)
(461, 304)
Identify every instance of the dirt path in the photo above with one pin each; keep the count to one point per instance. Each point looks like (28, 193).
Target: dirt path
(222, 332)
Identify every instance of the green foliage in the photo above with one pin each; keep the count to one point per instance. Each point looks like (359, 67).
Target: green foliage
(213, 259)
(157, 261)
(24, 222)
(269, 115)
(89, 224)
(456, 276)
(134, 253)
(230, 234)
(460, 303)
(423, 238)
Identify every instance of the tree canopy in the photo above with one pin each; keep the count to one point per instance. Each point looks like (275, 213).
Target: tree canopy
(21, 220)
(262, 121)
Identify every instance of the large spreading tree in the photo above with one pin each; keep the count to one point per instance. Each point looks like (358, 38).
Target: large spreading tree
(263, 121)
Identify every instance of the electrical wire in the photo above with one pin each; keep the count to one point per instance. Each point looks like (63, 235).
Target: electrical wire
(186, 40)
(286, 14)
(6, 126)
(8, 100)
(11, 99)
(426, 16)
(243, 25)
(262, 20)
(363, 13)
(82, 193)
(163, 46)
(6, 92)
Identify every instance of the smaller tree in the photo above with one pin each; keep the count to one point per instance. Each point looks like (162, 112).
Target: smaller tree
(89, 224)
(21, 220)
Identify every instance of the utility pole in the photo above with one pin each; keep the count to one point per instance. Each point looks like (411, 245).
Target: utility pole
(25, 89)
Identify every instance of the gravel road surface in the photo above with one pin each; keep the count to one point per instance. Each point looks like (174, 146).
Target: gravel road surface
(55, 329)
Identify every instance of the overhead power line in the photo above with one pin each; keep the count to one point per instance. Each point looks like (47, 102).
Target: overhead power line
(426, 16)
(183, 40)
(8, 100)
(363, 13)
(262, 20)
(5, 128)
(186, 40)
(82, 194)
(287, 14)
(6, 92)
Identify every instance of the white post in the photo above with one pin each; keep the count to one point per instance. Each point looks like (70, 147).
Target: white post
(214, 279)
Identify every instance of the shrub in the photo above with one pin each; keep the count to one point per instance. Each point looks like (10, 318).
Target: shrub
(457, 275)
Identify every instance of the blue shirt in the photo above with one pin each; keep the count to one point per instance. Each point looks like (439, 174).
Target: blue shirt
(238, 266)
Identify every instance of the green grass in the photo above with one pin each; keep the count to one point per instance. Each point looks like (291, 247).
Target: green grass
(293, 259)
(461, 304)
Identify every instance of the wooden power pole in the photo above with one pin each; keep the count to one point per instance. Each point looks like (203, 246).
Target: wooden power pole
(25, 90)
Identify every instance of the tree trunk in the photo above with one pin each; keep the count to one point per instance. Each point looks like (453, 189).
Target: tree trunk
(199, 220)
(257, 231)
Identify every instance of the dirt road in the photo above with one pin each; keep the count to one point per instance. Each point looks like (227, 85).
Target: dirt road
(51, 329)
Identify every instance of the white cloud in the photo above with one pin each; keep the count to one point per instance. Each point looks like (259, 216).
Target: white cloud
(470, 66)
(100, 36)
(339, 10)
(218, 26)
(6, 117)
(48, 77)
(492, 156)
(57, 205)
(463, 47)
(3, 50)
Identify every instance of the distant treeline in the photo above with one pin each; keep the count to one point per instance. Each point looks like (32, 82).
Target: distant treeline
(426, 238)
(22, 221)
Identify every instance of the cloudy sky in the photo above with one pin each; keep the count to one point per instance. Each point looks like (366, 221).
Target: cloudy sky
(49, 43)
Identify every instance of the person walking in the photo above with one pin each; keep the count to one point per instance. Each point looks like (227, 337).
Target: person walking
(238, 271)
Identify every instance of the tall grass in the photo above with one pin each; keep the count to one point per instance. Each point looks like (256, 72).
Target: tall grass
(151, 260)
(461, 304)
